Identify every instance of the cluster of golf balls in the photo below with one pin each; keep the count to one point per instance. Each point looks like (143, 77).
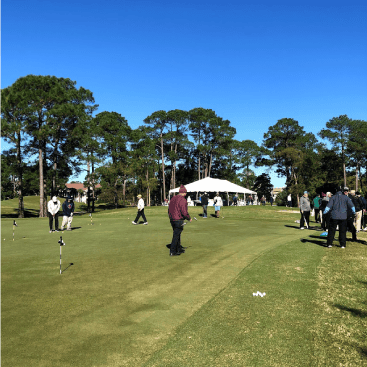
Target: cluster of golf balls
(259, 294)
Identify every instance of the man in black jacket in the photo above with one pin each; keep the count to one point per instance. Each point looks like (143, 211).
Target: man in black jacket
(358, 204)
(338, 206)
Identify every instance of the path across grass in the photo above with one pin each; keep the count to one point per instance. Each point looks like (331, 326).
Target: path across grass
(125, 302)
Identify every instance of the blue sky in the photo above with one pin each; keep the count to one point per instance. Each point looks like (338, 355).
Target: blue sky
(252, 62)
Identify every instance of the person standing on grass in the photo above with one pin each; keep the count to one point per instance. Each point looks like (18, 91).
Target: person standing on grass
(140, 211)
(217, 204)
(177, 212)
(68, 212)
(263, 200)
(316, 206)
(358, 204)
(350, 223)
(289, 201)
(235, 199)
(325, 217)
(204, 203)
(305, 208)
(53, 207)
(338, 206)
(364, 210)
(271, 200)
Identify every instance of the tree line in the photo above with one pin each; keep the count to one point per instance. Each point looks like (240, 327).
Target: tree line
(54, 131)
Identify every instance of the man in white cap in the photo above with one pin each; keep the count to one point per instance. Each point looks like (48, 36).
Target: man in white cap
(53, 207)
(140, 211)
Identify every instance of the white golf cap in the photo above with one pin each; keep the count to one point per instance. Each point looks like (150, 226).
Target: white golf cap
(54, 198)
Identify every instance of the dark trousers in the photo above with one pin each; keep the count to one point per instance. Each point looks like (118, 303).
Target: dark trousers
(325, 221)
(342, 223)
(304, 217)
(205, 211)
(177, 226)
(140, 214)
(351, 228)
(317, 215)
(51, 219)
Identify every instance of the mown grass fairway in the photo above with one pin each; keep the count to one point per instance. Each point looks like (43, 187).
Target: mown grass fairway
(125, 302)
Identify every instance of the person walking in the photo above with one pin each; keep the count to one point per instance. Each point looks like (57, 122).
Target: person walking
(271, 200)
(204, 203)
(263, 200)
(338, 206)
(217, 204)
(316, 207)
(68, 212)
(305, 208)
(53, 207)
(177, 212)
(140, 211)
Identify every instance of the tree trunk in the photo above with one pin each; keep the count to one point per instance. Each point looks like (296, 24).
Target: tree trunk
(41, 178)
(124, 192)
(20, 179)
(357, 177)
(163, 174)
(199, 167)
(88, 188)
(54, 179)
(93, 188)
(210, 164)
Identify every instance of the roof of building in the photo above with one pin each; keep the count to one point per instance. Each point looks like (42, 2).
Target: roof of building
(79, 186)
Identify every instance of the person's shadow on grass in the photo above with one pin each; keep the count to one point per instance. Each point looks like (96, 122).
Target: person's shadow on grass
(316, 242)
(297, 227)
(73, 228)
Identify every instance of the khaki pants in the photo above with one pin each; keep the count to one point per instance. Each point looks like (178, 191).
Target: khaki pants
(358, 220)
(66, 220)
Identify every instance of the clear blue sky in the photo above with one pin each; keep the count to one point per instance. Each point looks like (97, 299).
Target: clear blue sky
(252, 62)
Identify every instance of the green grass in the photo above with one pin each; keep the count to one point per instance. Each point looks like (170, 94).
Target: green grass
(125, 302)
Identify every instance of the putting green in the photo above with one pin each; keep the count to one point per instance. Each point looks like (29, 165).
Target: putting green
(124, 300)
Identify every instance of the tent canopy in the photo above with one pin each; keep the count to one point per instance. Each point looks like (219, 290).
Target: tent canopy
(209, 184)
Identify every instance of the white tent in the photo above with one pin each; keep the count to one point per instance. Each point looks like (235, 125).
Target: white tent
(209, 184)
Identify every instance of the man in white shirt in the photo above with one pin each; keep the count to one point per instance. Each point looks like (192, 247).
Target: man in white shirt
(289, 201)
(140, 211)
(53, 207)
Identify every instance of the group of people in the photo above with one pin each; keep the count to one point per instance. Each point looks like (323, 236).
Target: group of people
(53, 208)
(218, 203)
(344, 210)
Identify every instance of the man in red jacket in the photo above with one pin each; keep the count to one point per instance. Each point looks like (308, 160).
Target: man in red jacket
(177, 212)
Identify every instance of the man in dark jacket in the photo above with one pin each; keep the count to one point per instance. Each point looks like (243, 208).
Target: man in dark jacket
(177, 212)
(358, 204)
(204, 204)
(338, 206)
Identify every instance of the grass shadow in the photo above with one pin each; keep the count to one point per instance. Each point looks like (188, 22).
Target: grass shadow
(318, 243)
(353, 311)
(28, 213)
